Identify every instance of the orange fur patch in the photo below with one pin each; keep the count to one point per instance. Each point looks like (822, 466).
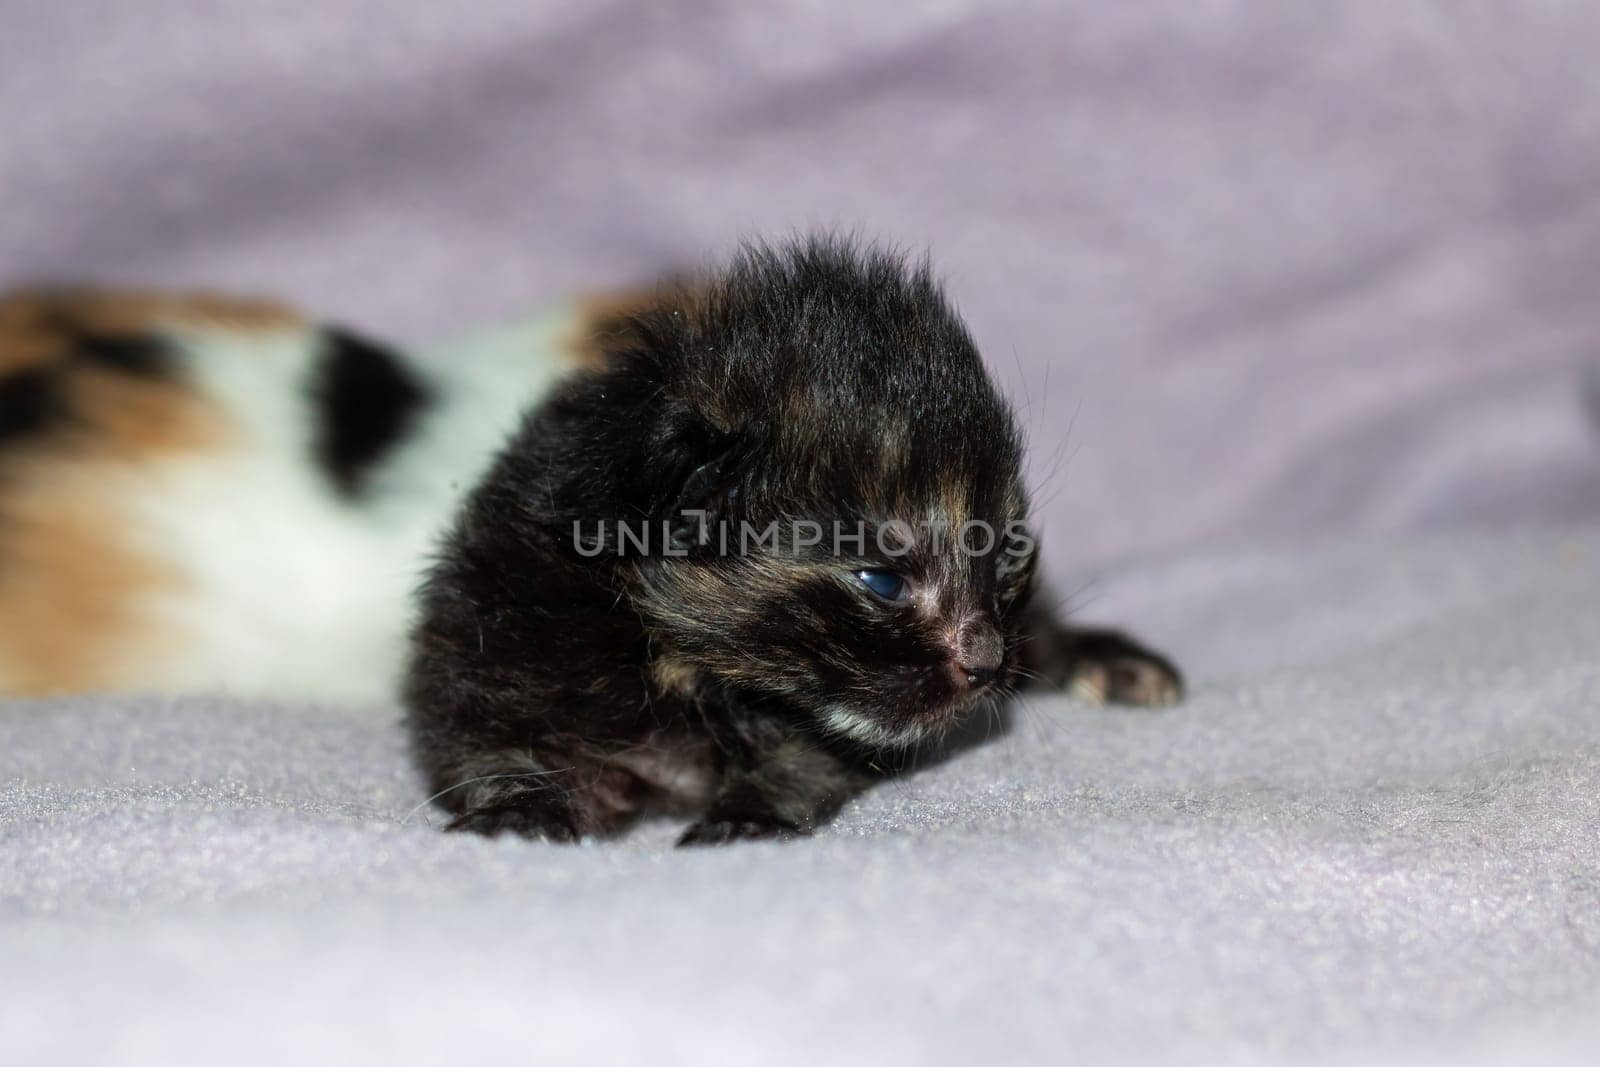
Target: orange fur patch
(69, 588)
(71, 581)
(117, 416)
(114, 312)
(600, 321)
(129, 419)
(26, 338)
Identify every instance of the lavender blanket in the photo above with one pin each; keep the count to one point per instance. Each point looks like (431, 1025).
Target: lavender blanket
(1299, 304)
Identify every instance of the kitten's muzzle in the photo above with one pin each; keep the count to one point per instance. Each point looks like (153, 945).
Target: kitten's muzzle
(976, 656)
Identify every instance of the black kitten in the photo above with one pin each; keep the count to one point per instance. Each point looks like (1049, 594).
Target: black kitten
(779, 530)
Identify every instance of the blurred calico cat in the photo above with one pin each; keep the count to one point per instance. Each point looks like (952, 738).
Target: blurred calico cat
(212, 495)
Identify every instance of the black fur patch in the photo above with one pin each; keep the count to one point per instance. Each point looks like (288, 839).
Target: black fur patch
(366, 401)
(30, 403)
(34, 400)
(139, 355)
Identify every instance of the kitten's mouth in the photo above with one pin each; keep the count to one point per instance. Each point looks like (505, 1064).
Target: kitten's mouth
(947, 715)
(913, 722)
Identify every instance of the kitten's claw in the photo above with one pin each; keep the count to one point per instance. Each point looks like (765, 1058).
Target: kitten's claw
(720, 831)
(534, 817)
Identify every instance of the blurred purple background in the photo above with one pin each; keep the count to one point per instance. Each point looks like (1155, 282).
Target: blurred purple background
(1256, 270)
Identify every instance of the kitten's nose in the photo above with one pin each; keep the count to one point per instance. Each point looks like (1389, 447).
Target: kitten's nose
(977, 677)
(977, 656)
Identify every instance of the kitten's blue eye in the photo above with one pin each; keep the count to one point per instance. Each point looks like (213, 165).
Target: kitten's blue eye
(885, 585)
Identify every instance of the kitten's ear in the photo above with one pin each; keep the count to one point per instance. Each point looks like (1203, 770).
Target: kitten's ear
(705, 492)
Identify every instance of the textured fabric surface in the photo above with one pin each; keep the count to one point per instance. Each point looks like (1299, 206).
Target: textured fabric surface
(1372, 830)
(1298, 301)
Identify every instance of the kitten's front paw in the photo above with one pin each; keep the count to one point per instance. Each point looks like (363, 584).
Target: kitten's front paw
(716, 829)
(1145, 681)
(1104, 667)
(529, 815)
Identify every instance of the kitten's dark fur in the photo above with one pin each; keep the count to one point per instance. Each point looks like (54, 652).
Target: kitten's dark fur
(556, 694)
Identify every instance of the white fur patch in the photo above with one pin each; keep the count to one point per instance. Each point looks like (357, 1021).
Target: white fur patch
(289, 589)
(852, 724)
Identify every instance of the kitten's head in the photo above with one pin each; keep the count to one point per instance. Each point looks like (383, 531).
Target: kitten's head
(855, 540)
